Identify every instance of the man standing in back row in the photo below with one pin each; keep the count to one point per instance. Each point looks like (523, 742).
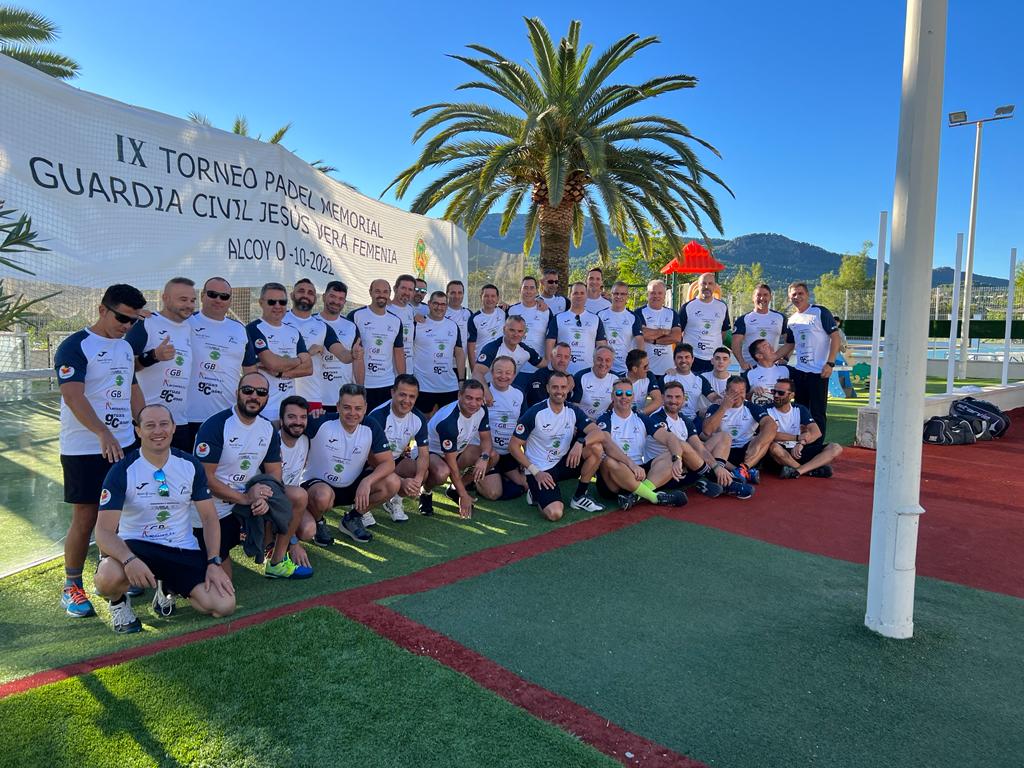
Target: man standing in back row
(704, 320)
(814, 336)
(336, 373)
(280, 348)
(660, 328)
(383, 351)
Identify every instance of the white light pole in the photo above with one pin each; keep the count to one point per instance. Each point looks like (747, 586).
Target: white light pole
(896, 507)
(955, 119)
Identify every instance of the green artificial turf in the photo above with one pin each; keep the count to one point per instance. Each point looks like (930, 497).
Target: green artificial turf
(314, 689)
(740, 653)
(35, 633)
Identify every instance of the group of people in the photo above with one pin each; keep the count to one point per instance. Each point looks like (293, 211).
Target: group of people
(185, 434)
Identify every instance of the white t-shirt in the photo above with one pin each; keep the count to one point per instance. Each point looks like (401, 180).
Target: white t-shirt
(220, 348)
(314, 331)
(791, 422)
(167, 381)
(679, 426)
(283, 340)
(593, 394)
(581, 332)
(380, 334)
(338, 456)
(486, 328)
(770, 325)
(739, 422)
(238, 449)
(596, 305)
(697, 389)
(659, 356)
(556, 304)
(293, 460)
(703, 325)
(716, 384)
(335, 373)
(811, 333)
(407, 315)
(629, 433)
(621, 330)
(503, 417)
(548, 435)
(536, 330)
(461, 317)
(406, 435)
(450, 431)
(107, 369)
(434, 348)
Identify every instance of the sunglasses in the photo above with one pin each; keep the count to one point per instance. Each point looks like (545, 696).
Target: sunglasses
(421, 290)
(163, 489)
(550, 282)
(248, 389)
(579, 322)
(621, 392)
(218, 295)
(780, 392)
(122, 318)
(276, 302)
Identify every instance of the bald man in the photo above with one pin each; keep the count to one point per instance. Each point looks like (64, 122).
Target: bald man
(383, 348)
(704, 321)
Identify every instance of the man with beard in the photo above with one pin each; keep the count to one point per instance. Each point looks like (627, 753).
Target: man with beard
(381, 333)
(144, 529)
(703, 321)
(554, 441)
(293, 418)
(98, 396)
(623, 328)
(350, 463)
(401, 306)
(406, 430)
(234, 446)
(592, 390)
(797, 448)
(450, 433)
(220, 354)
(536, 315)
(335, 372)
(761, 377)
(280, 348)
(645, 385)
(696, 388)
(437, 355)
(485, 326)
(320, 339)
(504, 480)
(582, 330)
(163, 354)
(763, 323)
(634, 476)
(549, 292)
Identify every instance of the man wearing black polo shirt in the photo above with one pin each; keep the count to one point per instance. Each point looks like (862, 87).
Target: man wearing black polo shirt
(144, 528)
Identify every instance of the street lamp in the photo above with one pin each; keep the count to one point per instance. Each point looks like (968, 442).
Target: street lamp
(957, 119)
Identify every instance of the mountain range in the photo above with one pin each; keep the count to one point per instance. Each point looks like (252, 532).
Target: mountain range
(782, 258)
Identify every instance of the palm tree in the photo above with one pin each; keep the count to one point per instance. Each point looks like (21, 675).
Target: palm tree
(567, 143)
(21, 30)
(241, 127)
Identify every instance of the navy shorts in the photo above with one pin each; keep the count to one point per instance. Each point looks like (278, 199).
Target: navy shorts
(84, 476)
(542, 497)
(427, 401)
(342, 496)
(230, 536)
(607, 493)
(181, 570)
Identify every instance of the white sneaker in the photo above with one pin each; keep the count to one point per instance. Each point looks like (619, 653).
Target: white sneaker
(368, 519)
(123, 617)
(585, 503)
(394, 508)
(529, 497)
(163, 602)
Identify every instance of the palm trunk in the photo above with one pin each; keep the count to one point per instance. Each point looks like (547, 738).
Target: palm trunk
(555, 226)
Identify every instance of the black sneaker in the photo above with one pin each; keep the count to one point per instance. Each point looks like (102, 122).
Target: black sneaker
(352, 526)
(452, 493)
(426, 504)
(709, 488)
(627, 500)
(322, 536)
(825, 471)
(671, 499)
(789, 473)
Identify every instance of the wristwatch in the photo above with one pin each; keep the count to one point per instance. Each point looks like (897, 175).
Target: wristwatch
(485, 456)
(830, 364)
(215, 560)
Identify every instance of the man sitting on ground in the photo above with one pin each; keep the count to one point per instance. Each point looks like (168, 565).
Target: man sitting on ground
(145, 533)
(750, 427)
(632, 476)
(645, 385)
(504, 480)
(232, 445)
(450, 433)
(554, 441)
(406, 431)
(797, 447)
(340, 472)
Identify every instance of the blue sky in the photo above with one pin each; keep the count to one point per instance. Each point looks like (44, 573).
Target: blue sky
(801, 98)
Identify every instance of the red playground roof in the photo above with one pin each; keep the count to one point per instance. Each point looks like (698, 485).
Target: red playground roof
(695, 258)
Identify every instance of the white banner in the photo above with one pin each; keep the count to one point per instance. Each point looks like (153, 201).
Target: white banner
(124, 194)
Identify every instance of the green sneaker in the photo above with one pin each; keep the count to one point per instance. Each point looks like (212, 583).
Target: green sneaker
(282, 570)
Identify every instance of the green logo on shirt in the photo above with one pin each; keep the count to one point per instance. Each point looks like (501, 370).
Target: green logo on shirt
(179, 361)
(162, 515)
(245, 464)
(440, 346)
(339, 468)
(556, 443)
(119, 380)
(379, 341)
(214, 354)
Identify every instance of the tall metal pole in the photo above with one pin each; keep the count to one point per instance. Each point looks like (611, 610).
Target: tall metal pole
(972, 224)
(876, 318)
(1009, 314)
(951, 352)
(896, 506)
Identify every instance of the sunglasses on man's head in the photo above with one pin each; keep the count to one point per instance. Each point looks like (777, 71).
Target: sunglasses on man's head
(218, 295)
(122, 318)
(621, 392)
(248, 389)
(780, 392)
(163, 489)
(276, 302)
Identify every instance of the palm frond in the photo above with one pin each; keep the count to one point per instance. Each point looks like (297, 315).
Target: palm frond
(25, 26)
(50, 63)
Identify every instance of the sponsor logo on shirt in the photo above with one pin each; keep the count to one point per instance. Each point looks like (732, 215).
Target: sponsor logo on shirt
(66, 372)
(261, 344)
(104, 497)
(520, 429)
(447, 445)
(203, 449)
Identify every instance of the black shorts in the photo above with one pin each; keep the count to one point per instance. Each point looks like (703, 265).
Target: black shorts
(809, 452)
(342, 496)
(737, 455)
(427, 401)
(184, 438)
(701, 365)
(84, 476)
(506, 463)
(607, 493)
(542, 497)
(230, 536)
(332, 409)
(181, 570)
(376, 396)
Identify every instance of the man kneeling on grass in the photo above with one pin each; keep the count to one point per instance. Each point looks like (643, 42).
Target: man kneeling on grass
(632, 476)
(350, 462)
(144, 529)
(798, 448)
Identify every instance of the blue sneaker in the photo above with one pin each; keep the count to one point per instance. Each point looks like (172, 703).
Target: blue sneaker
(76, 602)
(740, 490)
(302, 571)
(748, 476)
